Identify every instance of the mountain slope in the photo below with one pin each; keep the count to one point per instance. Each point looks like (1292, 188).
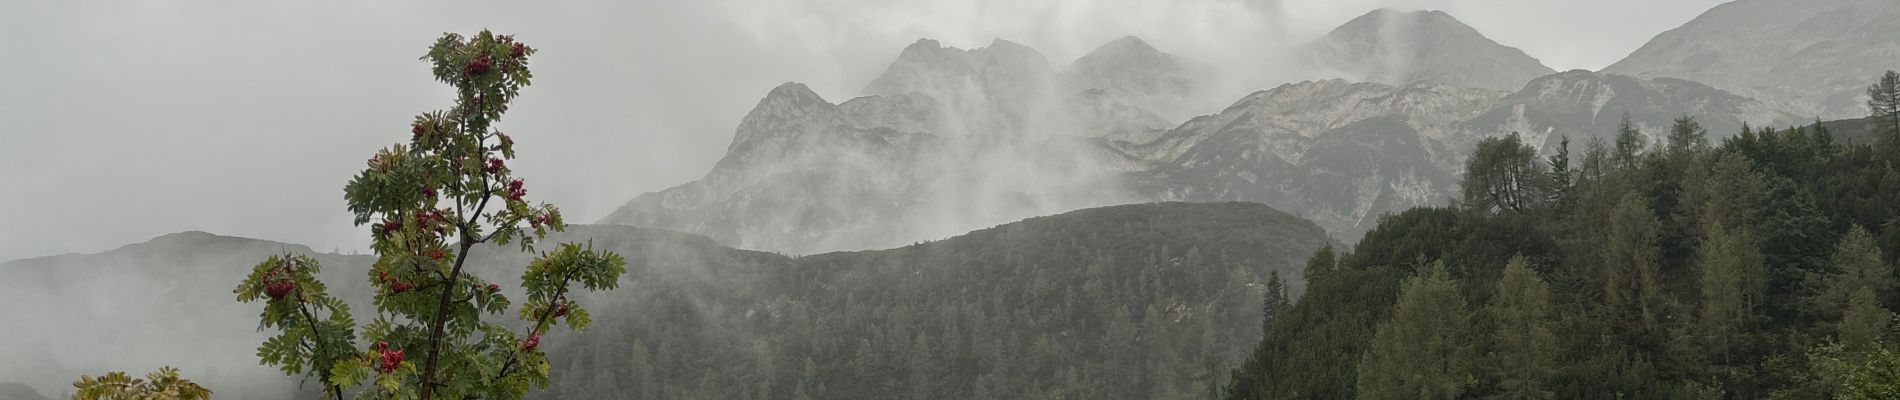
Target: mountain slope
(1582, 105)
(804, 175)
(1812, 58)
(1116, 302)
(1405, 48)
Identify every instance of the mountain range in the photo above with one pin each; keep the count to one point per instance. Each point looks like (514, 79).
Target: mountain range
(949, 140)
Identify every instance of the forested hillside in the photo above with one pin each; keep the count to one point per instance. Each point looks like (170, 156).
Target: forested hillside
(1761, 266)
(1138, 301)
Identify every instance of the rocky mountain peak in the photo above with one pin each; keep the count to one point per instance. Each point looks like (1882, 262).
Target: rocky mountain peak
(1405, 48)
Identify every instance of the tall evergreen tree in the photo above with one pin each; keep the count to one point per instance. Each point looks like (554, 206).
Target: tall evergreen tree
(1629, 143)
(1275, 301)
(1523, 348)
(1857, 264)
(1632, 285)
(1864, 323)
(1560, 173)
(1321, 263)
(1884, 104)
(1687, 136)
(1423, 351)
(1731, 281)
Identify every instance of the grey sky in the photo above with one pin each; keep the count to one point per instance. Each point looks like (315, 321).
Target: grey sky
(122, 121)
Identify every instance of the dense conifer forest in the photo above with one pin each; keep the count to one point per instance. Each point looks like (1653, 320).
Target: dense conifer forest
(1760, 265)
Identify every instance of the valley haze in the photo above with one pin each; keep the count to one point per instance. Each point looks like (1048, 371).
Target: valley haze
(1025, 196)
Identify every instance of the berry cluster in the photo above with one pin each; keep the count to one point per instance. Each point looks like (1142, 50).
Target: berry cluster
(416, 128)
(476, 67)
(494, 165)
(515, 191)
(389, 359)
(279, 283)
(395, 285)
(539, 220)
(532, 342)
(428, 191)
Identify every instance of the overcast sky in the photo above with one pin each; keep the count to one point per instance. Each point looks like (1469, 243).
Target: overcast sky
(121, 121)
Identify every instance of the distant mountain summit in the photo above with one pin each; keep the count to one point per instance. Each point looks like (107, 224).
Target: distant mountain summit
(1137, 74)
(989, 91)
(1809, 57)
(1405, 48)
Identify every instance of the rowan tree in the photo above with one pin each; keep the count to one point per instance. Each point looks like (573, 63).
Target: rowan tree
(429, 202)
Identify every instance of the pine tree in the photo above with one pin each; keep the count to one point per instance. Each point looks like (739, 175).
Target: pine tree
(1523, 349)
(1423, 351)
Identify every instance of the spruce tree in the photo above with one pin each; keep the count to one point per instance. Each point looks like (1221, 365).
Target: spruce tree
(1274, 302)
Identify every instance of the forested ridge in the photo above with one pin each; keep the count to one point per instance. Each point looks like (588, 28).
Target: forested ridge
(1756, 266)
(1135, 301)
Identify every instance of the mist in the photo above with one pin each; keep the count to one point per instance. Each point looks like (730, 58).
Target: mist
(125, 122)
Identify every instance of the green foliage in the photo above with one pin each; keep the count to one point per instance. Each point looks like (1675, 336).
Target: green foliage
(433, 200)
(1523, 347)
(1762, 267)
(1504, 175)
(1883, 102)
(1629, 144)
(1424, 350)
(1321, 263)
(1133, 301)
(163, 384)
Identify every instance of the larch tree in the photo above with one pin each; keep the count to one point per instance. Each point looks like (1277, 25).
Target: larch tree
(1632, 282)
(1523, 346)
(1629, 144)
(1424, 350)
(429, 202)
(1858, 265)
(1883, 102)
(1732, 286)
